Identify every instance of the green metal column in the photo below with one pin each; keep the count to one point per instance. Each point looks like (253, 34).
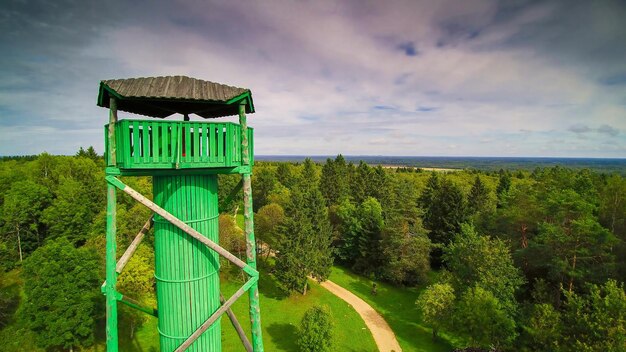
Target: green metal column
(111, 244)
(187, 271)
(253, 293)
(111, 275)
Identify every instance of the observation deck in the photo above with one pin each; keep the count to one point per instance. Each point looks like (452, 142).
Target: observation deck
(149, 144)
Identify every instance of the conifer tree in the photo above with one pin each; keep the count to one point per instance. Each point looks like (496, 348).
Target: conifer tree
(478, 196)
(504, 185)
(285, 174)
(304, 245)
(445, 209)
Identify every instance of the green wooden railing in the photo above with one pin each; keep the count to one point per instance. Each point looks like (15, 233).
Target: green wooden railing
(145, 144)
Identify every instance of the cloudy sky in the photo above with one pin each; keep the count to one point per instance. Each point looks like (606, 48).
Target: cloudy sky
(476, 78)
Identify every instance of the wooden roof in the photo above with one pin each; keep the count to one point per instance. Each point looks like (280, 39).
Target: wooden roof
(165, 96)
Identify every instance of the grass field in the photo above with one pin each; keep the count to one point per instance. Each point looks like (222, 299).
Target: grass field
(397, 306)
(280, 317)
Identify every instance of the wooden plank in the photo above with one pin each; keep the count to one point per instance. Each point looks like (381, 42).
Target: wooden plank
(228, 140)
(187, 142)
(196, 142)
(146, 142)
(136, 142)
(237, 326)
(155, 142)
(112, 120)
(165, 139)
(220, 143)
(212, 143)
(213, 318)
(204, 139)
(121, 263)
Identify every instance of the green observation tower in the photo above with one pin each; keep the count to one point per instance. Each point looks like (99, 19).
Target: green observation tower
(184, 158)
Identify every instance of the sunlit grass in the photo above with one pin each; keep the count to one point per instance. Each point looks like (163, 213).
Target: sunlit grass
(397, 306)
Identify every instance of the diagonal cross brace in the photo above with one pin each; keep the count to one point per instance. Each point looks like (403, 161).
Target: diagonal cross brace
(133, 246)
(218, 313)
(237, 326)
(121, 263)
(181, 225)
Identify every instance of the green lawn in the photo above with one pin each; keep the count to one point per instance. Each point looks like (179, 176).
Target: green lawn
(280, 317)
(397, 306)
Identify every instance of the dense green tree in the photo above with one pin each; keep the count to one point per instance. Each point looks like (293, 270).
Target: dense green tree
(358, 182)
(402, 200)
(347, 230)
(518, 221)
(504, 184)
(543, 328)
(481, 260)
(309, 177)
(480, 318)
(280, 195)
(315, 333)
(369, 257)
(431, 191)
(304, 247)
(89, 153)
(62, 294)
(286, 175)
(612, 210)
(9, 299)
(379, 186)
(405, 253)
(334, 180)
(595, 321)
(267, 222)
(571, 245)
(445, 210)
(478, 197)
(71, 212)
(264, 183)
(21, 213)
(436, 304)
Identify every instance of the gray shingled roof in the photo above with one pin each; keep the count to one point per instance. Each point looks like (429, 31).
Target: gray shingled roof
(164, 96)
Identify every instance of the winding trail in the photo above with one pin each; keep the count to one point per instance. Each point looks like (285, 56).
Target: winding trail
(383, 335)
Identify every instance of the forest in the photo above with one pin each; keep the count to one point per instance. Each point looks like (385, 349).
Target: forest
(507, 260)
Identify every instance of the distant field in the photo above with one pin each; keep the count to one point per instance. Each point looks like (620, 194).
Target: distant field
(480, 163)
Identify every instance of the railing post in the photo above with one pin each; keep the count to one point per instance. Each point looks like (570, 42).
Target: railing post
(111, 274)
(253, 292)
(112, 120)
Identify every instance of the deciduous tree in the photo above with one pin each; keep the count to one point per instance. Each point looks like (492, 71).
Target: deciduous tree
(62, 293)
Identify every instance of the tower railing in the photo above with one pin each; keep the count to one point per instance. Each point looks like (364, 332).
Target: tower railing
(144, 144)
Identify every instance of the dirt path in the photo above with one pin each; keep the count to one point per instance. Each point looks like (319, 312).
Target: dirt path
(382, 333)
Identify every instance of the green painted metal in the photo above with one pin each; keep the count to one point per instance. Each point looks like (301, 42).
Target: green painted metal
(144, 144)
(111, 274)
(253, 292)
(187, 271)
(164, 172)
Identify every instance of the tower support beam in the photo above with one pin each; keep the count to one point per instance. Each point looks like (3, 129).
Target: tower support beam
(111, 274)
(253, 293)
